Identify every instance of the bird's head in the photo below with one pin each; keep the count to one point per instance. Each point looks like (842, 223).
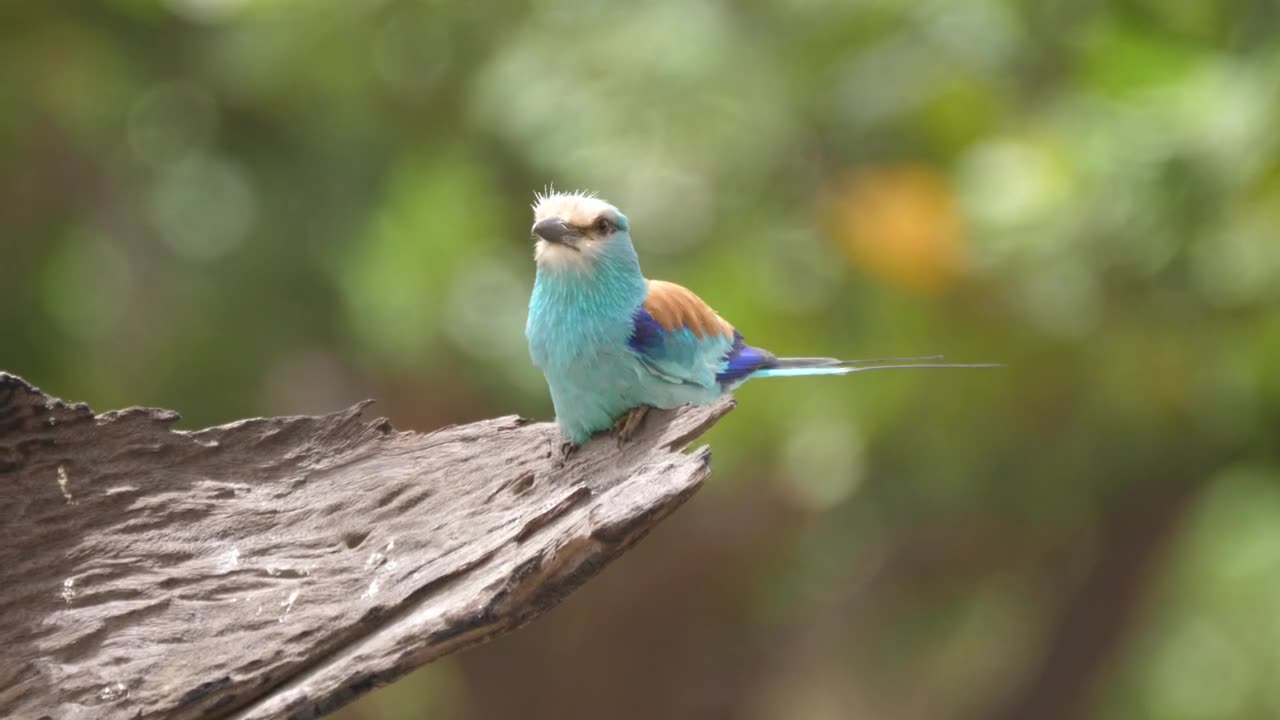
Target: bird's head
(576, 230)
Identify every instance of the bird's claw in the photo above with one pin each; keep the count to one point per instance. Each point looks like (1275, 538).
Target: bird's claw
(627, 425)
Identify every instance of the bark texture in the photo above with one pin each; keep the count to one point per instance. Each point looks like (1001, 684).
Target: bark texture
(279, 567)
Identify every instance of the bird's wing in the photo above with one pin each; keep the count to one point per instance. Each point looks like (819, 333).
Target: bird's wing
(681, 340)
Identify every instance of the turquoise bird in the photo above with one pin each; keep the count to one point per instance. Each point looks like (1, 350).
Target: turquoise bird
(613, 344)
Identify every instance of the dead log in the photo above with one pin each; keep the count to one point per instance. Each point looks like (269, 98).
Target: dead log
(280, 567)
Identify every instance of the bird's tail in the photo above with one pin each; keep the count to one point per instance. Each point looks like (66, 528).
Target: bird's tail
(791, 367)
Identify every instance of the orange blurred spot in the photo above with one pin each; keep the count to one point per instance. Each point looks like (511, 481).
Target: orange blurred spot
(899, 224)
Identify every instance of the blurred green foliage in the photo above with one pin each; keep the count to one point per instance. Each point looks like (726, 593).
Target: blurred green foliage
(231, 207)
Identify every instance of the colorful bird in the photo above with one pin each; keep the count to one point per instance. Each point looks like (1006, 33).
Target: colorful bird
(613, 344)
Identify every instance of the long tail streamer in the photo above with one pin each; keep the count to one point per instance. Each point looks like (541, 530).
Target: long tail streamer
(794, 367)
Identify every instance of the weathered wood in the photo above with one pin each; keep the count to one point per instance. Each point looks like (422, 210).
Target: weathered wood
(280, 567)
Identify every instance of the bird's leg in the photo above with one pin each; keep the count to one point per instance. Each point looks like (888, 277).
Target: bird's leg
(627, 425)
(566, 451)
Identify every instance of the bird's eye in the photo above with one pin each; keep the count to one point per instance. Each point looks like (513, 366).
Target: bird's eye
(602, 225)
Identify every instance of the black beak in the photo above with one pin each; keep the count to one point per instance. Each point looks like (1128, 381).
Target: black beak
(554, 230)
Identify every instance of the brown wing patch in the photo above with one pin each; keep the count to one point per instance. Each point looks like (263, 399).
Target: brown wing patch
(675, 307)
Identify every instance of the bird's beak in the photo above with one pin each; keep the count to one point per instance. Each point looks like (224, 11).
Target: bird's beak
(555, 230)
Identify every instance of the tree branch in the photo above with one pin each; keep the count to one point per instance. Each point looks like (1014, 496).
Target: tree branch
(280, 567)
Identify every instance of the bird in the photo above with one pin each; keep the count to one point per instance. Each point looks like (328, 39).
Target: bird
(613, 344)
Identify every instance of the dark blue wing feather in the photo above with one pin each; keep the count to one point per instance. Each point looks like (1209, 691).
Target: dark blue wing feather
(646, 333)
(679, 355)
(742, 360)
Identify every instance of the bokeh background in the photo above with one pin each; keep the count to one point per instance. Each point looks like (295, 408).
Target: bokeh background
(232, 208)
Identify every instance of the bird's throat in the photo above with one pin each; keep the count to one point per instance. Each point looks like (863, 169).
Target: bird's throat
(573, 310)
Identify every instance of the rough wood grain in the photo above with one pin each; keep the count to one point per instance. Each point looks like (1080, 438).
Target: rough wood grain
(279, 567)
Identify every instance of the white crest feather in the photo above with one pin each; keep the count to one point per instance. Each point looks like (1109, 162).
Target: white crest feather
(579, 208)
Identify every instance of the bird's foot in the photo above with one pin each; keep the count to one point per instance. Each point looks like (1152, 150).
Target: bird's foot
(627, 425)
(566, 451)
